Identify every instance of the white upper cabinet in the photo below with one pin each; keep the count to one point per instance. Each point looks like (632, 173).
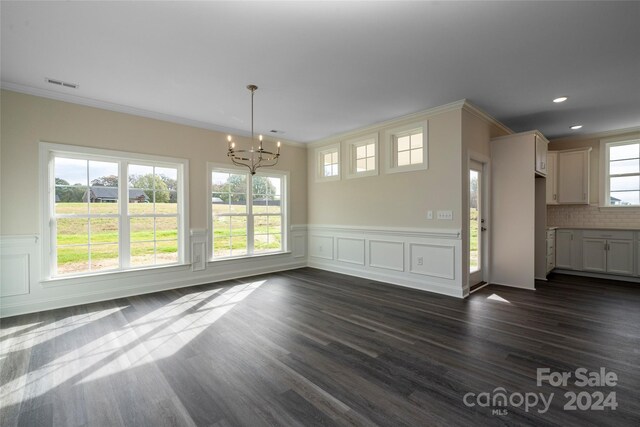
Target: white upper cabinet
(541, 155)
(552, 178)
(573, 176)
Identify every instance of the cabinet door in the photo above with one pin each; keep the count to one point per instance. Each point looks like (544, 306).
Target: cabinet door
(573, 177)
(541, 156)
(594, 255)
(552, 178)
(620, 256)
(564, 249)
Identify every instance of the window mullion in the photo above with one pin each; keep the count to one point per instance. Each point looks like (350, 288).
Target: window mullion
(250, 219)
(125, 226)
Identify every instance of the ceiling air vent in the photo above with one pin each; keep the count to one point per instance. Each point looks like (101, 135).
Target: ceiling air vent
(61, 83)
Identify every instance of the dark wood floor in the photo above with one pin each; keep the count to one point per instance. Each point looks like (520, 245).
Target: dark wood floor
(308, 347)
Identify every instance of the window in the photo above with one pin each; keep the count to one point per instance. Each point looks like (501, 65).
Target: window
(111, 211)
(621, 173)
(328, 163)
(363, 156)
(408, 148)
(247, 212)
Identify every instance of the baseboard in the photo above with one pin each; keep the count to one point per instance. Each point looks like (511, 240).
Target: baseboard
(629, 279)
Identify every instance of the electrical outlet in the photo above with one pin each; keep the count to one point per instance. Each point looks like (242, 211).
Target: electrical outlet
(447, 215)
(420, 260)
(429, 214)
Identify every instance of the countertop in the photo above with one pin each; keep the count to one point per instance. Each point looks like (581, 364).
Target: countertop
(562, 227)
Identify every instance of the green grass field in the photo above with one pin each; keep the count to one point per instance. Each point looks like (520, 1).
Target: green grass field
(473, 240)
(75, 234)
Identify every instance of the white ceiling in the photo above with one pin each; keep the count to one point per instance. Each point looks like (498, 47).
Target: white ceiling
(325, 68)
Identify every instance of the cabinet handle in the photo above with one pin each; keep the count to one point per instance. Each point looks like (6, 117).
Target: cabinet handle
(555, 196)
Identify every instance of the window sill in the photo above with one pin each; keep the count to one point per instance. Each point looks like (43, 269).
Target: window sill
(247, 257)
(108, 275)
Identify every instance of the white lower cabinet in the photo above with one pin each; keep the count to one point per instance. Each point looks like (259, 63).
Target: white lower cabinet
(565, 250)
(607, 252)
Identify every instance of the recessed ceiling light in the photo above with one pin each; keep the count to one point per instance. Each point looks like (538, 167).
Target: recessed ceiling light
(560, 99)
(576, 127)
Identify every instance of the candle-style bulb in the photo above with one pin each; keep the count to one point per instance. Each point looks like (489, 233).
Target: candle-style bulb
(233, 145)
(229, 138)
(260, 138)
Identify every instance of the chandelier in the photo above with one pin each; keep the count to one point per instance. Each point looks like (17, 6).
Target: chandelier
(253, 158)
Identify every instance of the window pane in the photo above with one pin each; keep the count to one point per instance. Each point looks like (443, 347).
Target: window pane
(416, 140)
(221, 227)
(103, 181)
(273, 205)
(238, 225)
(238, 245)
(72, 231)
(220, 203)
(371, 163)
(327, 159)
(361, 165)
(166, 228)
(70, 186)
(416, 156)
(167, 197)
(627, 151)
(72, 259)
(260, 224)
(361, 152)
(142, 254)
(222, 247)
(104, 257)
(274, 224)
(220, 182)
(167, 252)
(625, 198)
(404, 158)
(104, 230)
(371, 150)
(334, 157)
(334, 170)
(403, 143)
(327, 170)
(141, 184)
(625, 183)
(619, 167)
(141, 229)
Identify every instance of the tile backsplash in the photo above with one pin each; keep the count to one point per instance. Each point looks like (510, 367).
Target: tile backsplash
(592, 216)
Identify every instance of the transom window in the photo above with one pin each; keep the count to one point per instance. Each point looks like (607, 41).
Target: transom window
(363, 156)
(107, 212)
(328, 163)
(246, 213)
(622, 173)
(409, 148)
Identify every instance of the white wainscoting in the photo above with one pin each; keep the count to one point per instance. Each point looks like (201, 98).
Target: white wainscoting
(425, 259)
(22, 291)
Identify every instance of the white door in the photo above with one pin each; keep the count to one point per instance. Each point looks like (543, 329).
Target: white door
(477, 223)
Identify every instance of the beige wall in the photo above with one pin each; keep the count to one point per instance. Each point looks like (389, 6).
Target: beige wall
(28, 119)
(395, 199)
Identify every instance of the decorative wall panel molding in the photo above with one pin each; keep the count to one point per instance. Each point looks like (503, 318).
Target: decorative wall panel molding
(386, 254)
(350, 250)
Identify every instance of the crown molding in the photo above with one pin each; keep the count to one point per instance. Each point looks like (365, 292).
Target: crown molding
(476, 111)
(599, 135)
(529, 132)
(376, 127)
(119, 108)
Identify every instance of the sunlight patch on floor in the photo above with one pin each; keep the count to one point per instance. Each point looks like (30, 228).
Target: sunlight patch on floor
(496, 297)
(156, 335)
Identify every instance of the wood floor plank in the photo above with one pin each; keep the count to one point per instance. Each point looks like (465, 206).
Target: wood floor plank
(308, 347)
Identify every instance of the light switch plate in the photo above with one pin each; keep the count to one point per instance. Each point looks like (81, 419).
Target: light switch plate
(446, 215)
(429, 214)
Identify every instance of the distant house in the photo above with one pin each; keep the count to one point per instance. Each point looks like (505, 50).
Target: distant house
(97, 194)
(615, 201)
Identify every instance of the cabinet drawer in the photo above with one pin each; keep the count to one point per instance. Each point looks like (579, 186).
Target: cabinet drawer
(611, 234)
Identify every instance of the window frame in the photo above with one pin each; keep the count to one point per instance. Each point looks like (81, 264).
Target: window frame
(48, 151)
(391, 137)
(352, 146)
(319, 155)
(284, 211)
(605, 176)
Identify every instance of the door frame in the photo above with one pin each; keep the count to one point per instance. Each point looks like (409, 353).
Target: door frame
(486, 209)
